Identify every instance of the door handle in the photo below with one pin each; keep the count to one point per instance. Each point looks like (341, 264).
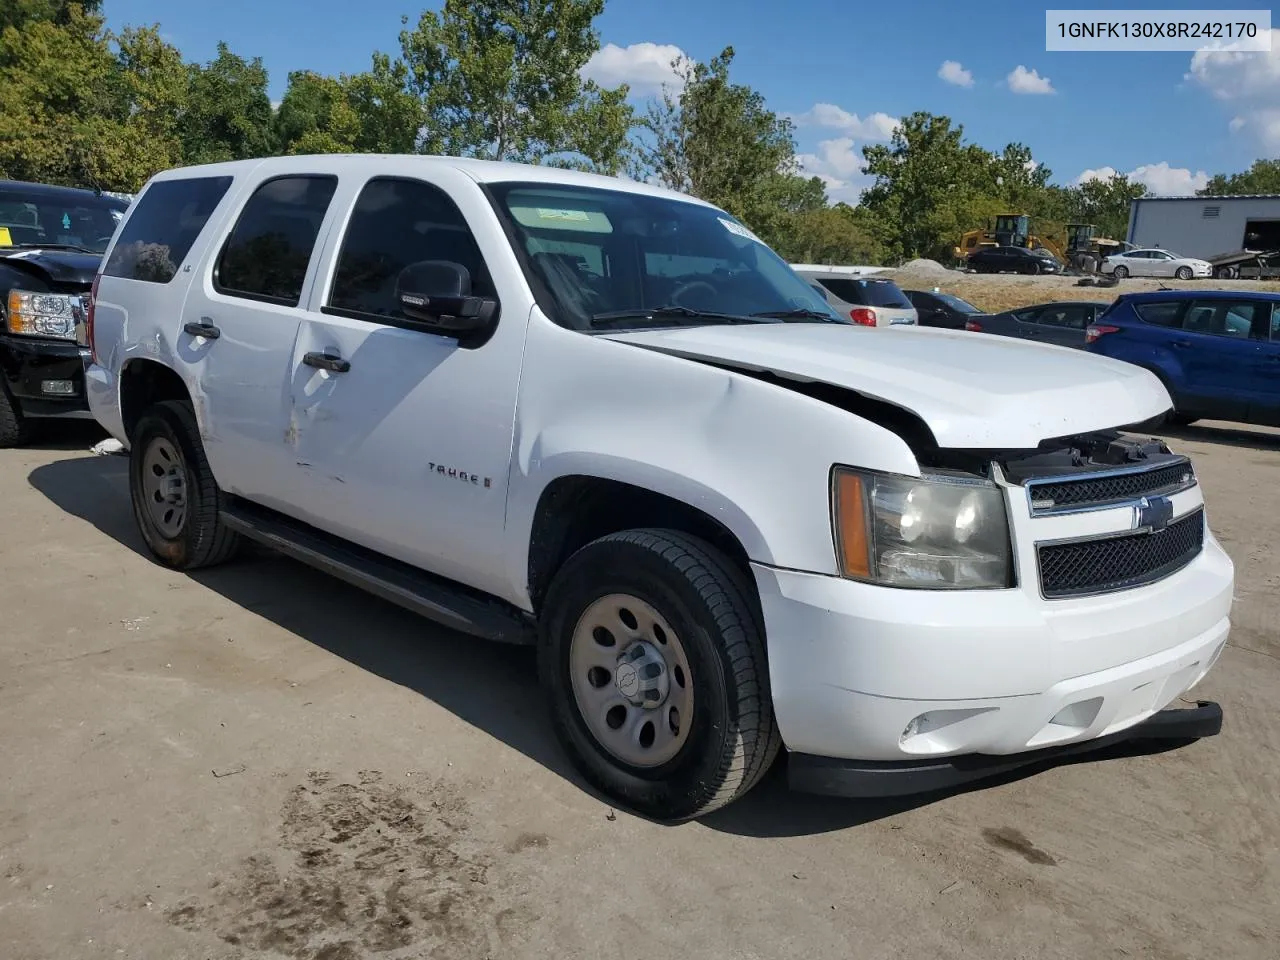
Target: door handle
(1183, 344)
(203, 329)
(326, 361)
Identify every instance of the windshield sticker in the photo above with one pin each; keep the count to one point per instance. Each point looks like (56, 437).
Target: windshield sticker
(561, 218)
(574, 216)
(739, 230)
(5, 239)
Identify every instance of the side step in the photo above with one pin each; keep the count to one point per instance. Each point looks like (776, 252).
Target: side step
(449, 604)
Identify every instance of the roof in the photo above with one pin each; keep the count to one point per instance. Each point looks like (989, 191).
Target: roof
(54, 190)
(481, 171)
(1201, 295)
(1218, 196)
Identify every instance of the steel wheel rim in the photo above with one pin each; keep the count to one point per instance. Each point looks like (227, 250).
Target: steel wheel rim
(631, 680)
(164, 487)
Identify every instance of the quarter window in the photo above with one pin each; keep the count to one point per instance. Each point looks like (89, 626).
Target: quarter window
(267, 254)
(163, 226)
(396, 223)
(1162, 313)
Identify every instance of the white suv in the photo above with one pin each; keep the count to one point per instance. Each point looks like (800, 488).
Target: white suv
(540, 406)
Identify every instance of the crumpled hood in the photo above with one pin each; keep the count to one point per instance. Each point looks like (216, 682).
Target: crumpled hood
(69, 267)
(973, 390)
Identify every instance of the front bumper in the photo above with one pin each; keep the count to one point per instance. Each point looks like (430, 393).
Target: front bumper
(868, 778)
(866, 673)
(32, 367)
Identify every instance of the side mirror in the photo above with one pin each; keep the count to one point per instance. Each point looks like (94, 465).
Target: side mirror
(436, 295)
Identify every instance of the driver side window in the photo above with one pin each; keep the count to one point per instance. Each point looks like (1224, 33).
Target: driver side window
(397, 222)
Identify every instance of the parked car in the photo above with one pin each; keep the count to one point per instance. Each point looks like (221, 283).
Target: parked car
(1155, 263)
(866, 301)
(1217, 352)
(1014, 260)
(1062, 323)
(935, 309)
(51, 242)
(601, 417)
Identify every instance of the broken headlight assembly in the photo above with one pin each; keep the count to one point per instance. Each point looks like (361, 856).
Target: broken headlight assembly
(934, 532)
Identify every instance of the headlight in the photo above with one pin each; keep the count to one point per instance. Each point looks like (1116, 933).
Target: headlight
(935, 533)
(44, 314)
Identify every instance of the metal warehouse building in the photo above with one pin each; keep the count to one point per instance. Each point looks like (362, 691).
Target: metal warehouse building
(1206, 226)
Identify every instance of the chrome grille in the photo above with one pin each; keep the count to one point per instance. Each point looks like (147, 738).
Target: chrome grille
(1119, 561)
(1108, 487)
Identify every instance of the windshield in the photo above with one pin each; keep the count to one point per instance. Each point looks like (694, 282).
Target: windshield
(956, 304)
(594, 253)
(67, 218)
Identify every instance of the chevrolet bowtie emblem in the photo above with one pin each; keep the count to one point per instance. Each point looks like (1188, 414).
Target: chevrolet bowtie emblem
(1152, 513)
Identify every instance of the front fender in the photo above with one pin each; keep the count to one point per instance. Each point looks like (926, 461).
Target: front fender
(753, 455)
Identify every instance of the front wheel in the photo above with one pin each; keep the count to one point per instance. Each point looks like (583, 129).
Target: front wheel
(653, 657)
(1183, 273)
(1120, 272)
(175, 498)
(15, 429)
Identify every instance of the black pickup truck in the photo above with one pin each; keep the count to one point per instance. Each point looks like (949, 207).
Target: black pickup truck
(51, 243)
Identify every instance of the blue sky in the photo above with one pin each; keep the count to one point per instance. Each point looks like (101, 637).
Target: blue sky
(844, 71)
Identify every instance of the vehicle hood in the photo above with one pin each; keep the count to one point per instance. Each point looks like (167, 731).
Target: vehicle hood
(61, 266)
(972, 391)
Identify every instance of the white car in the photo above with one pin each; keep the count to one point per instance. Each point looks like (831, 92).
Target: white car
(545, 407)
(1156, 263)
(859, 298)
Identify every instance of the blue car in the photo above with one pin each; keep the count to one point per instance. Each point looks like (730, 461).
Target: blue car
(1217, 351)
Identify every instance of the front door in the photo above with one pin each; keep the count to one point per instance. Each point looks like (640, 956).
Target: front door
(404, 444)
(240, 321)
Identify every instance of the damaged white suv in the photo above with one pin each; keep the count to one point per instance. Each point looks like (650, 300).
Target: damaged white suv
(545, 407)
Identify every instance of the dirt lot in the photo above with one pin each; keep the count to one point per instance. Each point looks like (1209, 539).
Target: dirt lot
(258, 761)
(994, 293)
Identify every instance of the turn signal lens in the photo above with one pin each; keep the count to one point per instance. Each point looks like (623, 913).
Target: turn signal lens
(850, 508)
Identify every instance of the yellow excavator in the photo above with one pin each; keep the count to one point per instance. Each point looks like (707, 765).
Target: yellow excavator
(1083, 250)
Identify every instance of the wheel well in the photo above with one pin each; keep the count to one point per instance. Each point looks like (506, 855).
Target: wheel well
(573, 511)
(144, 383)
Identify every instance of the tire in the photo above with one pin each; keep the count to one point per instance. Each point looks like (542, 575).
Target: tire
(1120, 272)
(1183, 273)
(186, 536)
(713, 626)
(15, 429)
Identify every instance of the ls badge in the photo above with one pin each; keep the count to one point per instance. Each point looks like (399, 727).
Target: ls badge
(1152, 514)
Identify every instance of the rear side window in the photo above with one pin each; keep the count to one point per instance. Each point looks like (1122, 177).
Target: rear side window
(162, 228)
(1162, 313)
(1220, 318)
(1275, 323)
(266, 255)
(867, 293)
(398, 222)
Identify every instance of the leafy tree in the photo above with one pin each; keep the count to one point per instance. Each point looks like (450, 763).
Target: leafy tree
(718, 141)
(500, 79)
(363, 113)
(837, 235)
(18, 13)
(1262, 177)
(1105, 203)
(228, 115)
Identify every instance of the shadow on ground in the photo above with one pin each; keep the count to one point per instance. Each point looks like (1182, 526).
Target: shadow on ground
(489, 686)
(1227, 434)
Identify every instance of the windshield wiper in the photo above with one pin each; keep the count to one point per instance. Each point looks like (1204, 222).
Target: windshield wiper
(46, 246)
(801, 313)
(670, 312)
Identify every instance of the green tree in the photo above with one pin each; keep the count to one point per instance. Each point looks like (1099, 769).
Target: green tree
(1104, 202)
(18, 13)
(719, 141)
(228, 115)
(1262, 177)
(363, 113)
(500, 79)
(832, 235)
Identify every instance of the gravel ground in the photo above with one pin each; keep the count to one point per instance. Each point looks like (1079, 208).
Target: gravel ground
(260, 762)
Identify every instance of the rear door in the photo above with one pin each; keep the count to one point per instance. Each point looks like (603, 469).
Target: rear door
(1220, 356)
(1061, 323)
(240, 321)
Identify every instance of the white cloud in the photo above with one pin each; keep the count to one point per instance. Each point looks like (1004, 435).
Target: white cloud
(1022, 80)
(952, 72)
(875, 126)
(1160, 178)
(839, 166)
(646, 67)
(1250, 81)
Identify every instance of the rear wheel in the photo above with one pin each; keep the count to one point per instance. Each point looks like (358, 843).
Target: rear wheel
(175, 498)
(1120, 272)
(654, 661)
